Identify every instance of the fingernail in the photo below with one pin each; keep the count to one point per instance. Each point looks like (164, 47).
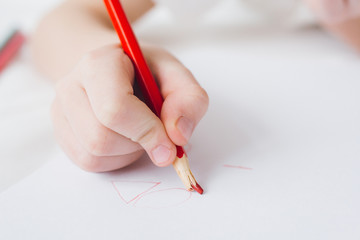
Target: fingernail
(186, 127)
(161, 154)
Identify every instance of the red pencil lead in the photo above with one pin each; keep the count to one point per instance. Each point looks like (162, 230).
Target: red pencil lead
(181, 165)
(197, 188)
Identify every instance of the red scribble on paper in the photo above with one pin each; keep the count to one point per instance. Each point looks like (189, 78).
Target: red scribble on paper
(144, 194)
(136, 196)
(233, 166)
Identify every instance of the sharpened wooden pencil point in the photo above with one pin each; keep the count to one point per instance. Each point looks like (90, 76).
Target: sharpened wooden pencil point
(181, 165)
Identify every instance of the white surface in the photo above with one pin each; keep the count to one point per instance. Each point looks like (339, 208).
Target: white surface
(26, 135)
(25, 130)
(283, 103)
(24, 14)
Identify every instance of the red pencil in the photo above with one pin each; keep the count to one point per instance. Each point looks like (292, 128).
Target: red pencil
(10, 48)
(147, 84)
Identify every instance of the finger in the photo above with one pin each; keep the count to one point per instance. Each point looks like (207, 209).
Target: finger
(186, 101)
(111, 97)
(97, 139)
(71, 146)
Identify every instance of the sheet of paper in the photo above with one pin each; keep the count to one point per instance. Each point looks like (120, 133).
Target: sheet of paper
(278, 159)
(277, 154)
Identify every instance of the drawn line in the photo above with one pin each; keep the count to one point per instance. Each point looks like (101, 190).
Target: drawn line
(137, 196)
(233, 166)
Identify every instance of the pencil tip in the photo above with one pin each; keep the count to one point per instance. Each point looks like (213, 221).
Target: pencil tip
(197, 188)
(182, 168)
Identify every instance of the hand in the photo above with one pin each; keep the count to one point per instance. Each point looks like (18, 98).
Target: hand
(335, 11)
(102, 125)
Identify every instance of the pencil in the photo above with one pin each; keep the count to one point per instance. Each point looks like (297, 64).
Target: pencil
(147, 84)
(10, 47)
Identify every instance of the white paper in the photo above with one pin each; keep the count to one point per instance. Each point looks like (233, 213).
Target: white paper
(278, 158)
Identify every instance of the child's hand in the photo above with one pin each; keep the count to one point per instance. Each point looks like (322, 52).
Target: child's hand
(335, 11)
(102, 126)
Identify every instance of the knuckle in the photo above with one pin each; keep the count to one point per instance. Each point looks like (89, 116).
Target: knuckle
(88, 64)
(199, 95)
(113, 59)
(90, 57)
(203, 95)
(111, 111)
